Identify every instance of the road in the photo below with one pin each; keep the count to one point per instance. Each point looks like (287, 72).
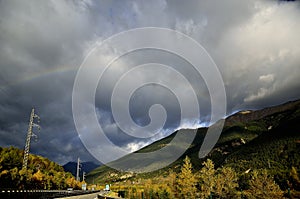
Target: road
(86, 196)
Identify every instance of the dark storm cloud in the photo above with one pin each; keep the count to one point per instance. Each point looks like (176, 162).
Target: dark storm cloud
(42, 43)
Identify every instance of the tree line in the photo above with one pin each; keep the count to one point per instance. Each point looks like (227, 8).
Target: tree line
(41, 173)
(208, 182)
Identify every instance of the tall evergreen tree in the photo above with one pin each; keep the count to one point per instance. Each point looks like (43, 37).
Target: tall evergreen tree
(226, 183)
(186, 182)
(207, 178)
(263, 186)
(295, 179)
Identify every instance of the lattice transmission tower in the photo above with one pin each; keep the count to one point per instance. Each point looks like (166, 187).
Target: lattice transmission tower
(78, 169)
(30, 134)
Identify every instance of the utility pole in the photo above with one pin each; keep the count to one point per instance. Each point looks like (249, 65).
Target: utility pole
(78, 169)
(29, 135)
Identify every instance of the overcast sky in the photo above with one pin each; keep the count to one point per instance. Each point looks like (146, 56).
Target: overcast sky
(255, 45)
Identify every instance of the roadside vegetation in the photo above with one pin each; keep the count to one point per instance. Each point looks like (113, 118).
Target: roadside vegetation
(209, 182)
(40, 174)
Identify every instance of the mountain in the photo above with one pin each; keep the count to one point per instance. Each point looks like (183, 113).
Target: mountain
(251, 139)
(85, 167)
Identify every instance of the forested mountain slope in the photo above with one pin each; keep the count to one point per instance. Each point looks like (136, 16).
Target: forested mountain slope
(41, 173)
(267, 138)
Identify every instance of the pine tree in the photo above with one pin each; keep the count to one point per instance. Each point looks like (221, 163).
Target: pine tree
(207, 178)
(263, 186)
(172, 184)
(186, 182)
(226, 183)
(295, 178)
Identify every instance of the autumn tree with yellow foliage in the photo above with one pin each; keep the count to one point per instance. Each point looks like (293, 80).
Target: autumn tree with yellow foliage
(187, 181)
(40, 174)
(226, 183)
(262, 186)
(207, 178)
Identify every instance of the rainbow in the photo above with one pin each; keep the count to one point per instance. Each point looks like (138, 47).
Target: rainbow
(35, 75)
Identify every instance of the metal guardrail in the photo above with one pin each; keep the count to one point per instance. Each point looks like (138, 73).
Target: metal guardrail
(105, 195)
(40, 194)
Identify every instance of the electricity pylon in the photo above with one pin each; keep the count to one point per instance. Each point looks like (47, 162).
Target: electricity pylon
(78, 169)
(83, 176)
(29, 135)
